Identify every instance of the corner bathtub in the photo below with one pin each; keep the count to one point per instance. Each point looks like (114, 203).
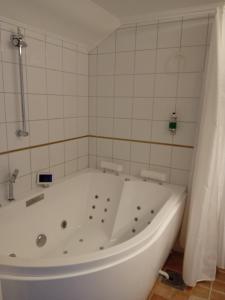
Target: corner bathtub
(93, 236)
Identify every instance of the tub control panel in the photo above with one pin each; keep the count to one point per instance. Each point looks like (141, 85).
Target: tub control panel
(44, 179)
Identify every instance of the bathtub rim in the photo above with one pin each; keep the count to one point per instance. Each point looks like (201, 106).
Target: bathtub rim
(98, 259)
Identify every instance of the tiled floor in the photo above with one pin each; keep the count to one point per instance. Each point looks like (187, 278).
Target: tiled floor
(204, 290)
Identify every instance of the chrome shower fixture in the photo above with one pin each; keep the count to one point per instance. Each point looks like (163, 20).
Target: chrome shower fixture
(17, 41)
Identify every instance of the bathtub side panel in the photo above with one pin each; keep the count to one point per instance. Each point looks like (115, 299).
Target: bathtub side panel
(131, 279)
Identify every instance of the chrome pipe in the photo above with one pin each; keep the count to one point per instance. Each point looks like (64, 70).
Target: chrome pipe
(17, 41)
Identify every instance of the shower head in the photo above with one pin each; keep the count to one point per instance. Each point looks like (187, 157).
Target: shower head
(18, 39)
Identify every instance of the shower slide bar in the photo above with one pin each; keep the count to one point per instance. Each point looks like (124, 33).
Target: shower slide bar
(18, 41)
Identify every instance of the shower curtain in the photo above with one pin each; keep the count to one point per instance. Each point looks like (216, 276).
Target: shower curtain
(205, 243)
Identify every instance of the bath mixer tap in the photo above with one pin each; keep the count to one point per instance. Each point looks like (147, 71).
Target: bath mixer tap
(12, 180)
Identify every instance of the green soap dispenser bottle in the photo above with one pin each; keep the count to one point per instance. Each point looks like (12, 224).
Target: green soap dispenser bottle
(173, 123)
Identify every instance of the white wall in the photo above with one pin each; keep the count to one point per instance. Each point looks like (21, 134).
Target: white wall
(56, 87)
(137, 78)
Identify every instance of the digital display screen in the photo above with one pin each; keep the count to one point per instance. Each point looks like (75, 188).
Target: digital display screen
(45, 177)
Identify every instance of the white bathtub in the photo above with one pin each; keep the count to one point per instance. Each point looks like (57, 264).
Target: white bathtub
(117, 236)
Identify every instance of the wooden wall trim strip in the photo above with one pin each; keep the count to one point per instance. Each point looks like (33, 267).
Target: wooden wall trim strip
(43, 145)
(141, 141)
(94, 136)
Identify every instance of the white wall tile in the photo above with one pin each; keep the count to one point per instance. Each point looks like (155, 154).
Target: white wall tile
(144, 86)
(55, 106)
(14, 141)
(82, 106)
(58, 171)
(92, 86)
(92, 106)
(56, 130)
(105, 126)
(38, 132)
(146, 37)
(135, 168)
(163, 109)
(56, 154)
(145, 62)
(69, 84)
(82, 124)
(2, 108)
(54, 82)
(71, 167)
(83, 147)
(82, 62)
(71, 128)
(92, 146)
(140, 152)
(194, 32)
(187, 109)
(106, 64)
(192, 59)
(121, 150)
(141, 130)
(35, 52)
(69, 60)
(122, 128)
(92, 162)
(161, 155)
(53, 57)
(181, 158)
(105, 107)
(92, 125)
(189, 85)
(71, 151)
(39, 158)
(70, 106)
(38, 108)
(169, 34)
(3, 139)
(4, 168)
(142, 108)
(22, 185)
(13, 107)
(92, 65)
(123, 107)
(179, 177)
(125, 39)
(125, 62)
(105, 86)
(168, 60)
(124, 86)
(1, 78)
(21, 161)
(185, 134)
(166, 85)
(11, 78)
(160, 132)
(82, 89)
(36, 80)
(104, 147)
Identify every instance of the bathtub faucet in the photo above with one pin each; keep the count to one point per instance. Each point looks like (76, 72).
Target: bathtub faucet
(12, 180)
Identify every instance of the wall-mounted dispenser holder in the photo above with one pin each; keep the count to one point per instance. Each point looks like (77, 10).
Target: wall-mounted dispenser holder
(44, 179)
(173, 123)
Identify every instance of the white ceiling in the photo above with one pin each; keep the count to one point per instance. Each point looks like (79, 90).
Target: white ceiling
(129, 8)
(87, 21)
(81, 20)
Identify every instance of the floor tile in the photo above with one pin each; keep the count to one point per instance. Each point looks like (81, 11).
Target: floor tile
(217, 296)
